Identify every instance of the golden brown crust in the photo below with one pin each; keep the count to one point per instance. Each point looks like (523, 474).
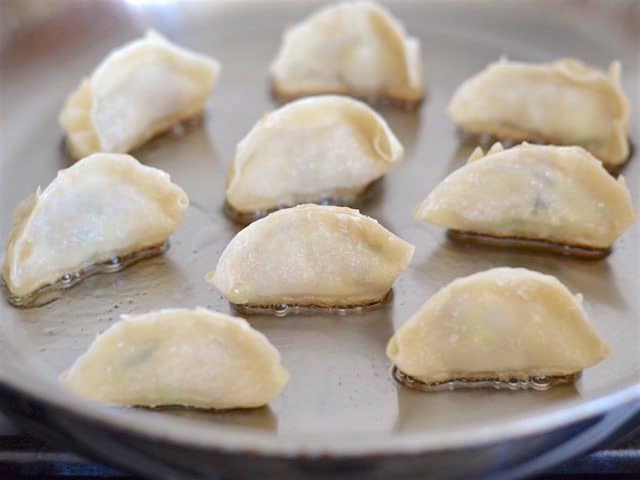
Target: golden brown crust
(285, 309)
(496, 380)
(578, 251)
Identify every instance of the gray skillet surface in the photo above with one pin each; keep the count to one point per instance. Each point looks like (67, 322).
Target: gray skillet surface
(341, 400)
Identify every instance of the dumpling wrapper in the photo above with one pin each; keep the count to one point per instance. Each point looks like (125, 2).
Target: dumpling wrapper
(105, 205)
(562, 103)
(311, 255)
(310, 150)
(194, 358)
(502, 323)
(556, 194)
(353, 47)
(138, 91)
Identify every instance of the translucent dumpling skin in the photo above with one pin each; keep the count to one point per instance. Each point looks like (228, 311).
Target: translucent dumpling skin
(355, 48)
(557, 194)
(562, 103)
(196, 358)
(309, 150)
(105, 205)
(502, 323)
(138, 91)
(311, 255)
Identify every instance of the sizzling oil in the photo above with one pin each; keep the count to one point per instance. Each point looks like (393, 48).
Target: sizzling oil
(529, 244)
(284, 309)
(537, 383)
(51, 292)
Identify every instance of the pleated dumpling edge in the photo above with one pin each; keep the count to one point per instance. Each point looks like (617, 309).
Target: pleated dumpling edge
(354, 47)
(103, 206)
(135, 93)
(194, 358)
(498, 324)
(311, 255)
(564, 102)
(533, 192)
(313, 149)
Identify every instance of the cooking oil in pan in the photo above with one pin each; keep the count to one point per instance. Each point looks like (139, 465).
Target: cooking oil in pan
(53, 291)
(284, 309)
(538, 383)
(529, 244)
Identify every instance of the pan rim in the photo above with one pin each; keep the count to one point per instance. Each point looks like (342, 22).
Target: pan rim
(243, 441)
(236, 440)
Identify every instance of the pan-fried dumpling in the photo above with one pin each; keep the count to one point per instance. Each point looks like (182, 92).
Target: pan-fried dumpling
(194, 358)
(503, 324)
(549, 194)
(314, 149)
(311, 255)
(138, 91)
(562, 103)
(104, 206)
(352, 47)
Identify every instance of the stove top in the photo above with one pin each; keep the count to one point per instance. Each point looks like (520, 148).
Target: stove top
(22, 456)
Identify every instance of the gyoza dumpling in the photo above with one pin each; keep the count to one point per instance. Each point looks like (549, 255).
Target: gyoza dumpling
(534, 192)
(194, 358)
(104, 206)
(311, 255)
(501, 324)
(352, 47)
(562, 103)
(138, 91)
(317, 148)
